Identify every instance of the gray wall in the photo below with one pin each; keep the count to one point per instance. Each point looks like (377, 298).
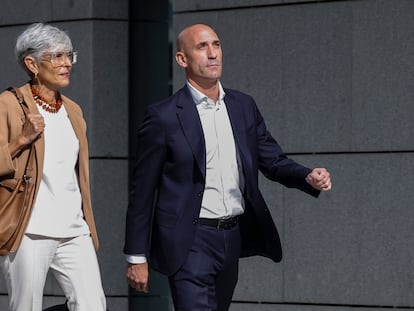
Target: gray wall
(334, 80)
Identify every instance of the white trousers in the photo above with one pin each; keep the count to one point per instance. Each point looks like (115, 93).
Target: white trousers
(73, 262)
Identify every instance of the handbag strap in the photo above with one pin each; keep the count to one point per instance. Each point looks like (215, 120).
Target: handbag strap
(26, 111)
(20, 99)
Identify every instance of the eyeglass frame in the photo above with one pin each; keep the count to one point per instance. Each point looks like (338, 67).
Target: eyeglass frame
(53, 57)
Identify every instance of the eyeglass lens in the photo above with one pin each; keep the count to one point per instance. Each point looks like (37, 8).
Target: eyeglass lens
(59, 58)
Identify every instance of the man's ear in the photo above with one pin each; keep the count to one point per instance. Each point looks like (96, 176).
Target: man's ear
(31, 64)
(181, 59)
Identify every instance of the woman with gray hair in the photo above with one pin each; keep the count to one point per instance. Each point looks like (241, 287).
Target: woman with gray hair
(60, 233)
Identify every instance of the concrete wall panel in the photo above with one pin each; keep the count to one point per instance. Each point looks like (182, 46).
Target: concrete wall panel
(183, 6)
(24, 11)
(109, 185)
(383, 71)
(12, 73)
(110, 89)
(354, 242)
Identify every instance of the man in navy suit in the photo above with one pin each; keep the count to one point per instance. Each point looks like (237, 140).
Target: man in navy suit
(196, 207)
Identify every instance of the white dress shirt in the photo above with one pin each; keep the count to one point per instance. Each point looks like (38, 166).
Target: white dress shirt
(222, 196)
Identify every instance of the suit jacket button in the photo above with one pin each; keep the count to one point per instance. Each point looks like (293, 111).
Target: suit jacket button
(200, 194)
(195, 221)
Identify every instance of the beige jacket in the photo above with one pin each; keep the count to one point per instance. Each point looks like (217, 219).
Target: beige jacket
(11, 123)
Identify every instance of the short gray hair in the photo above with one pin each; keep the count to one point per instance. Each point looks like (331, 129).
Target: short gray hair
(39, 38)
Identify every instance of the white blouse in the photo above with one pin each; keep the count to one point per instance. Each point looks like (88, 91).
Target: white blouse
(57, 210)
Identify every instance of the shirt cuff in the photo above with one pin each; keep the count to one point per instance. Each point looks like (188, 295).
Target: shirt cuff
(135, 259)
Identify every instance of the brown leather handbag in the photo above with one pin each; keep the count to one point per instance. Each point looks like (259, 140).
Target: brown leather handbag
(15, 198)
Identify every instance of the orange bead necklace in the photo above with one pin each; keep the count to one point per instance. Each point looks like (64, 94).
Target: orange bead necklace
(52, 107)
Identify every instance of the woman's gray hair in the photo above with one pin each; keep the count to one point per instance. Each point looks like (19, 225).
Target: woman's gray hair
(39, 38)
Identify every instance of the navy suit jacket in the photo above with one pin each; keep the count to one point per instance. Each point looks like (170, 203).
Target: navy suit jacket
(169, 180)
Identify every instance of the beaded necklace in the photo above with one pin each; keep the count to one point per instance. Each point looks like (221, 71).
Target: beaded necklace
(45, 104)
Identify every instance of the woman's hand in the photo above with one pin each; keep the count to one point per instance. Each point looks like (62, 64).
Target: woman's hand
(33, 126)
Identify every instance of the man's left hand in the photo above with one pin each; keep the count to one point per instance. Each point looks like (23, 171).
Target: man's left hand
(320, 179)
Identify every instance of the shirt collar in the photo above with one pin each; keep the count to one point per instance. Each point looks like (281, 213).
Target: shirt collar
(199, 97)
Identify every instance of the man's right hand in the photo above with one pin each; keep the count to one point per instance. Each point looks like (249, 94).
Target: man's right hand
(137, 276)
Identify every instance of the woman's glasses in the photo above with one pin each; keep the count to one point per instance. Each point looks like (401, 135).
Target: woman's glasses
(58, 59)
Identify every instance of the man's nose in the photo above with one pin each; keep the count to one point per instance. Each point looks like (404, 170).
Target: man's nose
(212, 53)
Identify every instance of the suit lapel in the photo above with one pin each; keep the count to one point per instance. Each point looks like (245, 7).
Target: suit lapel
(191, 126)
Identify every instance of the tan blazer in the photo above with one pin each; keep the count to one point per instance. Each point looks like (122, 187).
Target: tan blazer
(11, 123)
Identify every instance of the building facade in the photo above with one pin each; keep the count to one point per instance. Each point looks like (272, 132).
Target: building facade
(334, 80)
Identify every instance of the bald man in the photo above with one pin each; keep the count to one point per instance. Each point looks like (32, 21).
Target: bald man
(196, 207)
